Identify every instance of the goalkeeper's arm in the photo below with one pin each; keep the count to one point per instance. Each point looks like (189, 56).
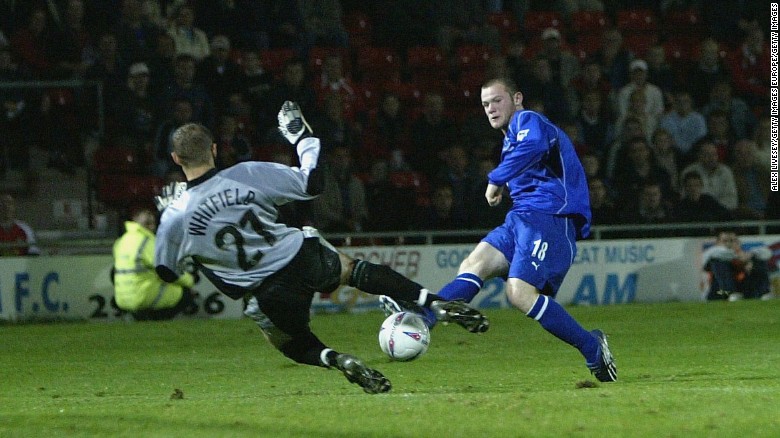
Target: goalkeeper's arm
(309, 156)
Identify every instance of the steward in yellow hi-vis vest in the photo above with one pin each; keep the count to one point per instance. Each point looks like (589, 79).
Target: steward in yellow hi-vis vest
(137, 288)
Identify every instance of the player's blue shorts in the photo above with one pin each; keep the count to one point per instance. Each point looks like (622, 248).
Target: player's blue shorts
(540, 248)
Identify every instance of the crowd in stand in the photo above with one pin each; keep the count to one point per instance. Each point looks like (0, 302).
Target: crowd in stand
(671, 122)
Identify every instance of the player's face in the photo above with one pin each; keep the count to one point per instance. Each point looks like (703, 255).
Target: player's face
(498, 105)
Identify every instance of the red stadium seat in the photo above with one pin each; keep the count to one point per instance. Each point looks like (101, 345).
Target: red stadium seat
(472, 56)
(505, 22)
(410, 94)
(538, 21)
(318, 54)
(426, 57)
(357, 23)
(116, 159)
(427, 62)
(377, 64)
(124, 190)
(588, 22)
(273, 60)
(630, 20)
(678, 52)
(640, 43)
(586, 45)
(684, 22)
(415, 181)
(359, 27)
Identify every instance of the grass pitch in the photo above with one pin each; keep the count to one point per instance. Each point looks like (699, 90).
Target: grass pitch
(685, 370)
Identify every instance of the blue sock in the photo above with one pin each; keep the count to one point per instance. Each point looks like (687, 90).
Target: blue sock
(556, 320)
(464, 287)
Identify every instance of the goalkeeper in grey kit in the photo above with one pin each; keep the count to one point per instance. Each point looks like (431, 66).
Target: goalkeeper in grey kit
(225, 222)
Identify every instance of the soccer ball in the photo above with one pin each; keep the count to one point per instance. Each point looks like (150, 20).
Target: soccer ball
(404, 336)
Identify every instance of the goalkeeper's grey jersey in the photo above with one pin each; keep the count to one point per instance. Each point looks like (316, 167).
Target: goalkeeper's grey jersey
(226, 221)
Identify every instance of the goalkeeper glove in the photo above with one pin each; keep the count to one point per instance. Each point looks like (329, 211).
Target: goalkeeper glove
(292, 124)
(169, 193)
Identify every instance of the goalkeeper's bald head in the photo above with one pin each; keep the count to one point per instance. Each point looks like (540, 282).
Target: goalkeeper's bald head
(192, 143)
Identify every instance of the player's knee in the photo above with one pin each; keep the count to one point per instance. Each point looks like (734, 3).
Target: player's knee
(521, 294)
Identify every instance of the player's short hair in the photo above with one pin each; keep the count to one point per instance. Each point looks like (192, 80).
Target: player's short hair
(509, 84)
(192, 144)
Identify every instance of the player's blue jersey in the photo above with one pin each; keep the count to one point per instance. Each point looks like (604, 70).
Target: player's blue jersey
(542, 170)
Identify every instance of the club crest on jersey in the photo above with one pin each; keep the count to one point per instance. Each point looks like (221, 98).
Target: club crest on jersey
(521, 134)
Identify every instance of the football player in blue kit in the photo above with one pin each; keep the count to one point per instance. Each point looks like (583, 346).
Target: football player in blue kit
(226, 223)
(535, 246)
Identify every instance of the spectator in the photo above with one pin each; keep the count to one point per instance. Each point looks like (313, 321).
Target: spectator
(614, 58)
(161, 63)
(750, 68)
(136, 35)
(592, 165)
(651, 208)
(133, 113)
(287, 26)
(591, 79)
(659, 72)
(292, 86)
(388, 205)
(342, 205)
(518, 62)
(255, 79)
(696, 206)
(71, 46)
(736, 273)
(631, 128)
(741, 117)
(430, 136)
(387, 132)
(718, 178)
(334, 80)
(602, 207)
(752, 181)
(182, 113)
(190, 40)
(685, 124)
(564, 66)
(232, 146)
(28, 44)
(439, 215)
(17, 237)
(708, 70)
(548, 92)
(640, 169)
(594, 124)
(137, 288)
(19, 109)
(458, 22)
(572, 129)
(186, 86)
(458, 175)
(654, 103)
(666, 155)
(109, 68)
(239, 107)
(323, 23)
(637, 109)
(719, 132)
(219, 74)
(762, 138)
(335, 130)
